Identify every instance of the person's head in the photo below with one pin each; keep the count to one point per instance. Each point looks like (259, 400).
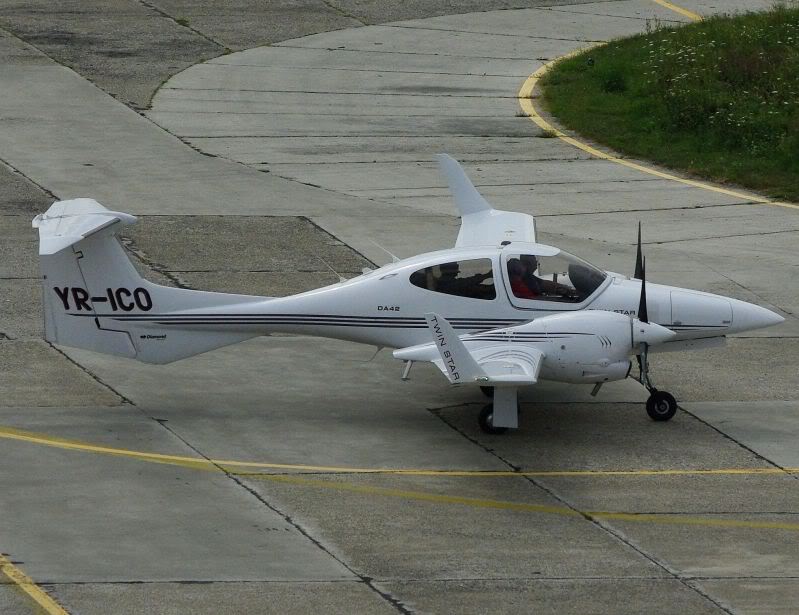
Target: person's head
(449, 270)
(530, 262)
(515, 268)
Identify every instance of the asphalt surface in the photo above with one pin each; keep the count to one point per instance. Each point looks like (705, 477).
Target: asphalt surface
(272, 169)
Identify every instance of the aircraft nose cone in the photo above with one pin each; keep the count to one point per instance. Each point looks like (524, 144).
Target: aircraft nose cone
(746, 316)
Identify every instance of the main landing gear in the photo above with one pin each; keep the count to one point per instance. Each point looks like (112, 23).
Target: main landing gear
(660, 406)
(486, 417)
(502, 413)
(486, 421)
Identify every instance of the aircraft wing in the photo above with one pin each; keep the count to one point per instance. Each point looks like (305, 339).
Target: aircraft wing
(481, 224)
(497, 363)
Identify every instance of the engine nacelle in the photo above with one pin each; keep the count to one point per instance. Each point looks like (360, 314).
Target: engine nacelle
(586, 373)
(586, 347)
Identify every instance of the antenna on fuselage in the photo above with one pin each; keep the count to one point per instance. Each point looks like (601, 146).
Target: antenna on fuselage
(341, 278)
(394, 257)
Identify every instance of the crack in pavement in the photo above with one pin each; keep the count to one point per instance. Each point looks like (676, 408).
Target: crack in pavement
(590, 14)
(367, 70)
(339, 93)
(406, 53)
(647, 243)
(749, 290)
(645, 210)
(596, 521)
(422, 161)
(91, 374)
(317, 542)
(181, 23)
(730, 438)
(523, 36)
(16, 171)
(388, 116)
(340, 11)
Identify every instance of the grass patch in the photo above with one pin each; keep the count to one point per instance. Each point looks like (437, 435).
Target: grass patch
(718, 98)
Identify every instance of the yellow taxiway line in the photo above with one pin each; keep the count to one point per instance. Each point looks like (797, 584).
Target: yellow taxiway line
(26, 584)
(10, 433)
(525, 97)
(659, 518)
(679, 9)
(234, 467)
(50, 606)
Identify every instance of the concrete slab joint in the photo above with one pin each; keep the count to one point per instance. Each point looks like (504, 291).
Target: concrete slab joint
(220, 484)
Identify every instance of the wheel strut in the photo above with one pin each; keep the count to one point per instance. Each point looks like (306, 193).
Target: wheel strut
(661, 406)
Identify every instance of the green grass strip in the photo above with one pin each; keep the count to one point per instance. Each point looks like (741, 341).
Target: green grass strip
(717, 98)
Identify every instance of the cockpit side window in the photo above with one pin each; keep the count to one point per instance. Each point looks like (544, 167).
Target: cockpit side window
(562, 277)
(469, 278)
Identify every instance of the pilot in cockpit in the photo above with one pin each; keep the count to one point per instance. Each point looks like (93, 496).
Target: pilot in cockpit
(535, 285)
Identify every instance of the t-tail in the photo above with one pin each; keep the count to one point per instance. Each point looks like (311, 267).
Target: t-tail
(95, 299)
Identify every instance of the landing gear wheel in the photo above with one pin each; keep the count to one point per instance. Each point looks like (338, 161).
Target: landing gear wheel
(488, 392)
(661, 406)
(486, 420)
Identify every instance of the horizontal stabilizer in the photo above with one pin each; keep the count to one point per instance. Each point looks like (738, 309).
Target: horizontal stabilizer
(68, 222)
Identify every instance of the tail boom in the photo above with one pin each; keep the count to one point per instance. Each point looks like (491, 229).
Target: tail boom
(94, 298)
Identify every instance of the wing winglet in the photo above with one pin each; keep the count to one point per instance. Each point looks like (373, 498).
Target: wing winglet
(467, 199)
(481, 224)
(459, 364)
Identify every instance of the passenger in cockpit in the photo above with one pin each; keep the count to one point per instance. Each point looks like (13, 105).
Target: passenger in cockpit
(451, 284)
(518, 284)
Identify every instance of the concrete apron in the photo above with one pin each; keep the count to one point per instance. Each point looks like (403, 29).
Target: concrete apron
(240, 403)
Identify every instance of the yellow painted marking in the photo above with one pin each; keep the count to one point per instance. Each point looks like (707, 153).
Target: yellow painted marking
(10, 433)
(525, 97)
(679, 9)
(227, 465)
(26, 584)
(535, 508)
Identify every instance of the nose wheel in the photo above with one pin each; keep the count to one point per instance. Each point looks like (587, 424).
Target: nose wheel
(661, 406)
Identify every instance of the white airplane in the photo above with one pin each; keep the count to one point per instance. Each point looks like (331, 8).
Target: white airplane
(498, 310)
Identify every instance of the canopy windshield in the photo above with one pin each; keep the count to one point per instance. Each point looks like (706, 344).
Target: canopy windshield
(559, 277)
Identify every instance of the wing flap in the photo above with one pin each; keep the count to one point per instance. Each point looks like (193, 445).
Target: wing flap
(508, 363)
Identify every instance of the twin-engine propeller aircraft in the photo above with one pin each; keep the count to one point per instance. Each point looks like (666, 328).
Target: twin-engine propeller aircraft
(498, 310)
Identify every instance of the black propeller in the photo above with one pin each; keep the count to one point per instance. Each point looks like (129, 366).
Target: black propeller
(639, 259)
(643, 313)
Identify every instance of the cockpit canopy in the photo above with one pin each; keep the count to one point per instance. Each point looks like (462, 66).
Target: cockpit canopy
(531, 272)
(557, 276)
(473, 278)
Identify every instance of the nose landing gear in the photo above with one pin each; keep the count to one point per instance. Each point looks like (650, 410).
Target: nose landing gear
(660, 406)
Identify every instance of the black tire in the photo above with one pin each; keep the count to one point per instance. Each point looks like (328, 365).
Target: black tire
(661, 406)
(486, 421)
(488, 392)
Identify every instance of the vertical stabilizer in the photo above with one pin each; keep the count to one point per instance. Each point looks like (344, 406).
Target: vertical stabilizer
(94, 298)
